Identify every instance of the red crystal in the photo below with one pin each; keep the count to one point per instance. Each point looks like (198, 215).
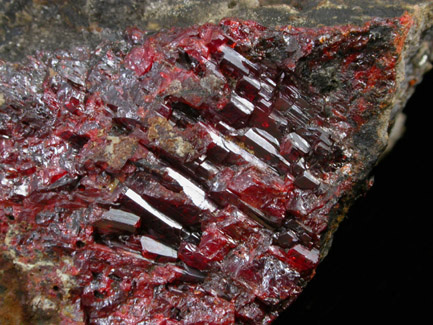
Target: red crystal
(190, 174)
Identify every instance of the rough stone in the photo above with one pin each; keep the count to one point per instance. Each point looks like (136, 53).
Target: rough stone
(197, 173)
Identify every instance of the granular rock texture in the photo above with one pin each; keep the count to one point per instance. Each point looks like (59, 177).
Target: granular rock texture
(193, 175)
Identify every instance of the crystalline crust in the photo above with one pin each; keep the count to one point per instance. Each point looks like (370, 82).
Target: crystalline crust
(190, 174)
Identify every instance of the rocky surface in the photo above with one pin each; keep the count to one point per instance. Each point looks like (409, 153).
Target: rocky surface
(349, 83)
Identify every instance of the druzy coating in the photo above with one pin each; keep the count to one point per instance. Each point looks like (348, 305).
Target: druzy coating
(187, 176)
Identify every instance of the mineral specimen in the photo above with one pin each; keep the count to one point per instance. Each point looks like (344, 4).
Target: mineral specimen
(189, 176)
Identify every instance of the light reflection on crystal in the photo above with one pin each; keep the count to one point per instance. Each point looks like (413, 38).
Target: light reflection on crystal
(152, 246)
(149, 209)
(118, 220)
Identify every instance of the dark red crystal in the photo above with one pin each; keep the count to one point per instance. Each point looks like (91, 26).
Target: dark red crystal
(190, 174)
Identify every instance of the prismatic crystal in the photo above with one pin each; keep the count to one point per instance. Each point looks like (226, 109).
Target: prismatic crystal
(189, 176)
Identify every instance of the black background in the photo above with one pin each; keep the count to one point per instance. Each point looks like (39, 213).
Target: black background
(378, 268)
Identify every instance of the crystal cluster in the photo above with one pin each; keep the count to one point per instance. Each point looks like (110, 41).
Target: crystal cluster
(187, 175)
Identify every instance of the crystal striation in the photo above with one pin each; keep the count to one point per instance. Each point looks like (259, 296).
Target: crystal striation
(190, 176)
